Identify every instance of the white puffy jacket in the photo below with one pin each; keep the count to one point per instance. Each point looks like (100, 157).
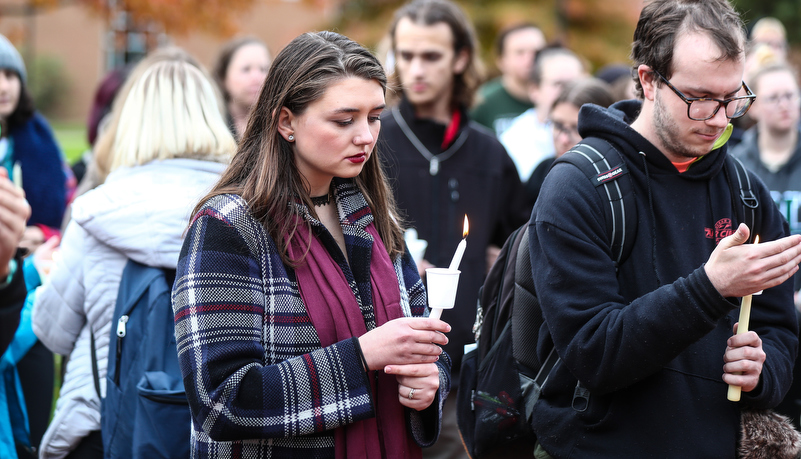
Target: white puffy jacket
(139, 213)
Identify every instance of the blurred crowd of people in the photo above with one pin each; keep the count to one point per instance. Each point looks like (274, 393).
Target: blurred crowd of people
(271, 184)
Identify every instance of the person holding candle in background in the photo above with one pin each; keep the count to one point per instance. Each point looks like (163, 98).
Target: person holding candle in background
(298, 311)
(31, 155)
(443, 166)
(652, 341)
(27, 145)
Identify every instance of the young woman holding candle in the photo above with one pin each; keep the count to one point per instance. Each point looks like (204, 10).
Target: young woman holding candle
(299, 314)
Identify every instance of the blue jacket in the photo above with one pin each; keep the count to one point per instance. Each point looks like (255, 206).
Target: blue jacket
(14, 427)
(648, 342)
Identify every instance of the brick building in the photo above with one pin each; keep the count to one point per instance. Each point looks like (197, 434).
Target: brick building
(82, 41)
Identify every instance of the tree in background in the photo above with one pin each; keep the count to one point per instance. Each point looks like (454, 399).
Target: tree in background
(786, 11)
(51, 85)
(175, 17)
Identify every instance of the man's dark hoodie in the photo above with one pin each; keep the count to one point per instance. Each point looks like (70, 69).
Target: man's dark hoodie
(648, 342)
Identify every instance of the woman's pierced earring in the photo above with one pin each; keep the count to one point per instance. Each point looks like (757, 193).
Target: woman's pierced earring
(291, 137)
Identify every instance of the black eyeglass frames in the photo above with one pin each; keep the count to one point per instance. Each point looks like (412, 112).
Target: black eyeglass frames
(704, 108)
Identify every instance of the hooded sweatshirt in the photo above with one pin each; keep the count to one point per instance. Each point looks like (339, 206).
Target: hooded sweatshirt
(647, 341)
(139, 213)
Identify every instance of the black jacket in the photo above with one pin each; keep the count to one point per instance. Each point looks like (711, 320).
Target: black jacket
(12, 299)
(648, 342)
(479, 180)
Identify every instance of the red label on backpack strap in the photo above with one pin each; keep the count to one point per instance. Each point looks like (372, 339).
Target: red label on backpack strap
(609, 175)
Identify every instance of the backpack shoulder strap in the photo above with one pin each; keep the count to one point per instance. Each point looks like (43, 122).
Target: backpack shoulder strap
(526, 314)
(740, 185)
(603, 165)
(495, 296)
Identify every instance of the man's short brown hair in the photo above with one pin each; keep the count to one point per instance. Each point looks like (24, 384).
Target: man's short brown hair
(661, 21)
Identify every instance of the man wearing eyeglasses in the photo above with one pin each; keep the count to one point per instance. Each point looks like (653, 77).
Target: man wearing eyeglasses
(648, 347)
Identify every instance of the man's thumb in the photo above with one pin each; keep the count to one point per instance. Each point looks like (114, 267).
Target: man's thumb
(739, 237)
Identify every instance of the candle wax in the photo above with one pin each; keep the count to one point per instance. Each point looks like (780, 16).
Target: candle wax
(457, 257)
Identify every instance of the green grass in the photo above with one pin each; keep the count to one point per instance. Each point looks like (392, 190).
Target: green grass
(72, 140)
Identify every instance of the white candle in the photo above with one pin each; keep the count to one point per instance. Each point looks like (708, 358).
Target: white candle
(742, 327)
(457, 257)
(16, 175)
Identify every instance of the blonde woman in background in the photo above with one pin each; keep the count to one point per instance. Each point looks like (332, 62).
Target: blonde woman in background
(166, 145)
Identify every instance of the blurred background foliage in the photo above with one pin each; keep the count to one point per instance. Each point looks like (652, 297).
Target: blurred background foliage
(599, 30)
(179, 17)
(786, 11)
(49, 83)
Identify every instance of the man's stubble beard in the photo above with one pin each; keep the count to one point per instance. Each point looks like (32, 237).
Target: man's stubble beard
(668, 133)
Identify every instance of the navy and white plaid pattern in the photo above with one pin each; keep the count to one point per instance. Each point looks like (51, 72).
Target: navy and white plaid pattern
(257, 380)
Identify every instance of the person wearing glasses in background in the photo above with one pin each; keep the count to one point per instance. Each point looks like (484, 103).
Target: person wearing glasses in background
(563, 119)
(772, 150)
(528, 138)
(652, 341)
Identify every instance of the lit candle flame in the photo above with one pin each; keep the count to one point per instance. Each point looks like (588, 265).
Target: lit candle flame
(756, 239)
(466, 227)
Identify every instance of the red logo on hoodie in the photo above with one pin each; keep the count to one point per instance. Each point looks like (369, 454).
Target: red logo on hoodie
(722, 229)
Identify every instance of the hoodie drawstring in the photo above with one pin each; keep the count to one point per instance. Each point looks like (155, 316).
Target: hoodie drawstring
(653, 218)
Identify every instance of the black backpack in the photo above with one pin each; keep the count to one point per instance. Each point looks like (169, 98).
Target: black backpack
(501, 378)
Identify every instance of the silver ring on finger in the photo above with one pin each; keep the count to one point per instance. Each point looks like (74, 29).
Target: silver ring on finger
(411, 394)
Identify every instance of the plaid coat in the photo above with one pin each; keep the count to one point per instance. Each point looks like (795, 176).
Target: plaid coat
(258, 382)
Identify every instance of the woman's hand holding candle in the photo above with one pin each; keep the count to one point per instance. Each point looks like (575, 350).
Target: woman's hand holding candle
(404, 341)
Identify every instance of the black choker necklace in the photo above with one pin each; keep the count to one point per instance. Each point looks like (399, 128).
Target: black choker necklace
(323, 200)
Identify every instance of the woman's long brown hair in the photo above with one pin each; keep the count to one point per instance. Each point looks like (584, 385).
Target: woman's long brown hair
(263, 170)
